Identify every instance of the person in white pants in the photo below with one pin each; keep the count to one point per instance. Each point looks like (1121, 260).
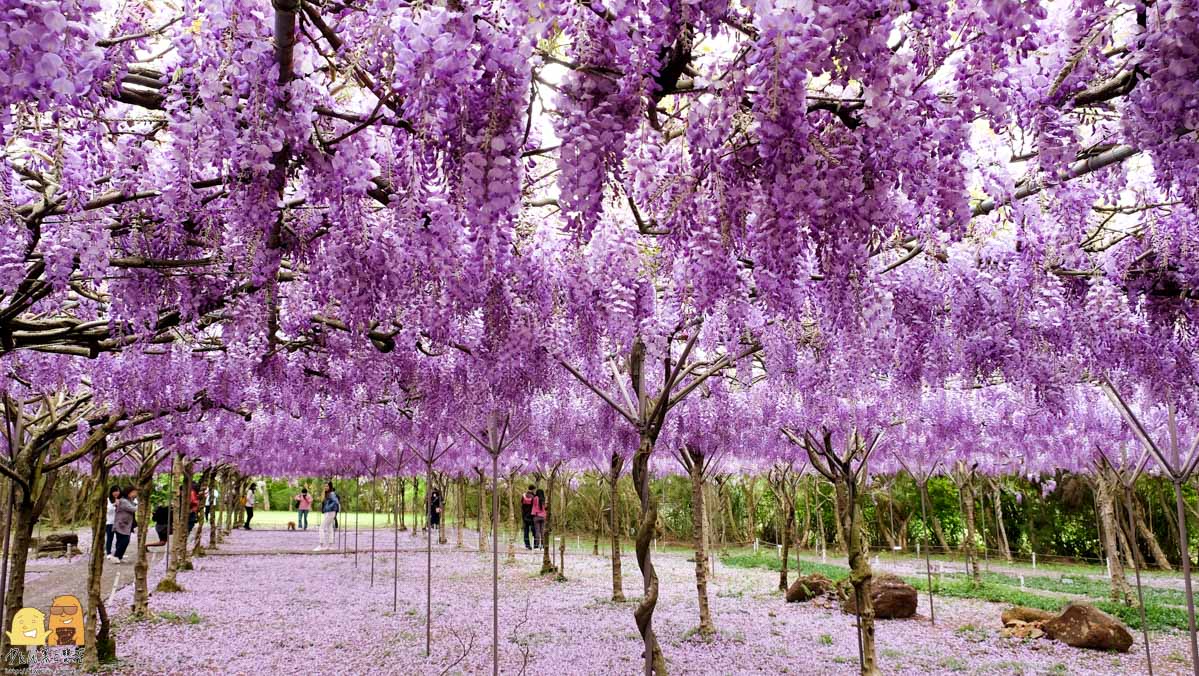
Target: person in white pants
(330, 506)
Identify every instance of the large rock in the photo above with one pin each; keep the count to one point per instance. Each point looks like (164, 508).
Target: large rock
(1023, 614)
(1084, 626)
(891, 597)
(808, 587)
(62, 539)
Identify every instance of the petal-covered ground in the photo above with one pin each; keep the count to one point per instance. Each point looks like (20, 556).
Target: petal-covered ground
(265, 604)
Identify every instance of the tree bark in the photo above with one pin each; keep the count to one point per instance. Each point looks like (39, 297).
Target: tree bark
(615, 466)
(402, 516)
(934, 522)
(788, 528)
(141, 569)
(1004, 548)
(177, 540)
(1107, 513)
(95, 568)
(644, 614)
(1155, 549)
(966, 487)
(860, 575)
(695, 469)
(547, 566)
(751, 508)
(482, 510)
(840, 498)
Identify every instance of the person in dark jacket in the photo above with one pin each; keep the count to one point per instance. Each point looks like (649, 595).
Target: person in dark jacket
(162, 523)
(330, 506)
(526, 514)
(435, 509)
(122, 525)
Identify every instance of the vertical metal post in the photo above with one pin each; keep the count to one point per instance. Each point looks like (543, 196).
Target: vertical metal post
(1136, 567)
(495, 563)
(1184, 550)
(428, 552)
(395, 549)
(357, 510)
(928, 567)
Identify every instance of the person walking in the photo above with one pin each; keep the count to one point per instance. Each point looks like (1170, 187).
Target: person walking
(113, 495)
(250, 505)
(539, 520)
(526, 514)
(123, 522)
(330, 506)
(304, 505)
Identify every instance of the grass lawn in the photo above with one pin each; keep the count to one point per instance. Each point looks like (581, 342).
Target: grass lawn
(1162, 606)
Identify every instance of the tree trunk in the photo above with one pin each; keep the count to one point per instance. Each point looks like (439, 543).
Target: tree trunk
(177, 540)
(1155, 549)
(141, 569)
(213, 537)
(512, 509)
(966, 486)
(482, 511)
(860, 575)
(788, 527)
(95, 568)
(615, 465)
(1107, 513)
(695, 468)
(934, 522)
(547, 566)
(751, 509)
(839, 497)
(644, 614)
(403, 516)
(185, 488)
(1004, 548)
(23, 520)
(205, 481)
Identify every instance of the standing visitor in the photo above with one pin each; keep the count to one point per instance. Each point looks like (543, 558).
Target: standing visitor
(526, 513)
(193, 508)
(250, 505)
(212, 495)
(330, 506)
(123, 522)
(435, 509)
(304, 504)
(113, 495)
(539, 520)
(162, 523)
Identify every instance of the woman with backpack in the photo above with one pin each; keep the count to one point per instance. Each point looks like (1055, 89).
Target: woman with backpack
(330, 506)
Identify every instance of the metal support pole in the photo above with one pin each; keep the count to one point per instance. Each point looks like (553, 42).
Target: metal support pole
(428, 553)
(1136, 567)
(928, 567)
(495, 564)
(1184, 550)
